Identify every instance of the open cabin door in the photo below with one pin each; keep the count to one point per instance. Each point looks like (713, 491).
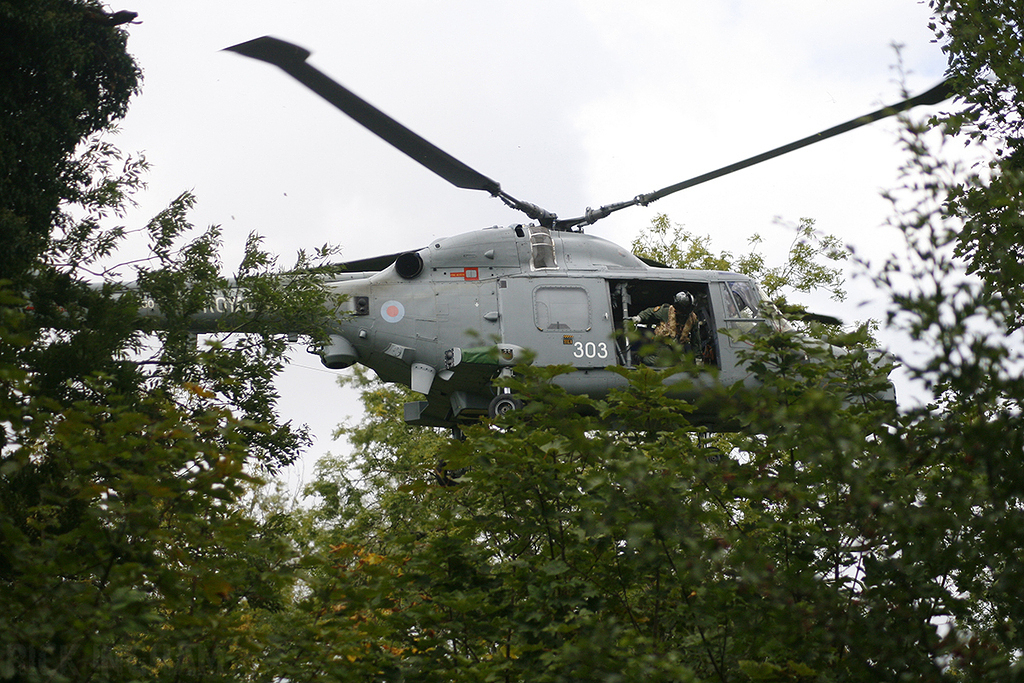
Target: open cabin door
(637, 297)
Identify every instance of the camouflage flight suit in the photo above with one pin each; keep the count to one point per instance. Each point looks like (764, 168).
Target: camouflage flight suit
(665, 323)
(663, 318)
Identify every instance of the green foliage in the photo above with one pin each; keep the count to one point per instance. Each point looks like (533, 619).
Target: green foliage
(966, 446)
(982, 39)
(361, 495)
(63, 77)
(127, 550)
(120, 535)
(810, 263)
(671, 245)
(836, 539)
(241, 360)
(568, 552)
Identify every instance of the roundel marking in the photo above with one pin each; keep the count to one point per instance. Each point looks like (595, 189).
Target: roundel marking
(392, 311)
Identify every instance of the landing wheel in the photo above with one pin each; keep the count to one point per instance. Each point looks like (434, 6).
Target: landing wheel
(503, 403)
(712, 454)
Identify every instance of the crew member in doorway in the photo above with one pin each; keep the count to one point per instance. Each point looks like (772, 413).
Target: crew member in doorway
(675, 321)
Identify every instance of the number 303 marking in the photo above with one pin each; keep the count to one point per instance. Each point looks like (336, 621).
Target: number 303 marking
(590, 350)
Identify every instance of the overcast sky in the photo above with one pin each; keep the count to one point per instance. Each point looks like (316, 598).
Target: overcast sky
(568, 104)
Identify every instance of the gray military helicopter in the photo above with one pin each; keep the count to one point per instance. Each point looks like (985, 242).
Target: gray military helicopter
(446, 320)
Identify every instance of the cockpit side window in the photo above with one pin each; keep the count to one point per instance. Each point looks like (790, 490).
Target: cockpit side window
(747, 305)
(742, 301)
(742, 306)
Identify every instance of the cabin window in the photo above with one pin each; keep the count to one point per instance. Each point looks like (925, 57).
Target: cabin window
(561, 309)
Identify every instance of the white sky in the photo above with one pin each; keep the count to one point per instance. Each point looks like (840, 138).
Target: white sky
(566, 103)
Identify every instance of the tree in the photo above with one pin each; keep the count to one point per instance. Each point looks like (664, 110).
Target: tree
(126, 547)
(981, 39)
(969, 309)
(839, 539)
(812, 260)
(65, 77)
(125, 468)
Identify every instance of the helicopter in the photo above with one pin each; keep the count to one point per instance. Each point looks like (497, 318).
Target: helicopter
(448, 319)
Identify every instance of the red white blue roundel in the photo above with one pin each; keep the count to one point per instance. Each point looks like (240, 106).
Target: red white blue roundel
(392, 311)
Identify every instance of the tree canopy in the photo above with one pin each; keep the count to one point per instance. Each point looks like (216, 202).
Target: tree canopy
(128, 450)
(66, 76)
(833, 538)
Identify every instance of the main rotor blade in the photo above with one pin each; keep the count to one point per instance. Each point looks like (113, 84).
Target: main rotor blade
(939, 93)
(292, 59)
(374, 263)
